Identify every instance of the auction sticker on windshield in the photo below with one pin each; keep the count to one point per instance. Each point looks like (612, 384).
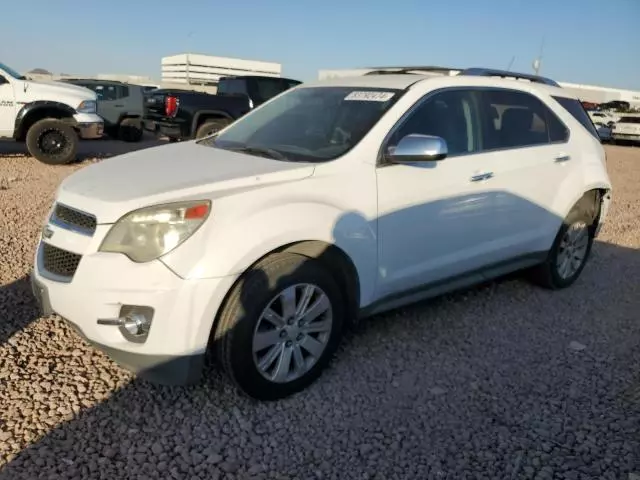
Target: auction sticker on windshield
(369, 96)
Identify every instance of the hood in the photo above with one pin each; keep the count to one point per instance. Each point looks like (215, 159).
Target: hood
(168, 173)
(29, 90)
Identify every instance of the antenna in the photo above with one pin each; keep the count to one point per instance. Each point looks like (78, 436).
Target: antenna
(538, 61)
(513, 59)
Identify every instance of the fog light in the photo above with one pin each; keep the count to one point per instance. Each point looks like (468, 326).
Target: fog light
(136, 324)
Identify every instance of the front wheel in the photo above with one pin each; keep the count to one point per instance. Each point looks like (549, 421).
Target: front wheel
(569, 253)
(280, 326)
(52, 141)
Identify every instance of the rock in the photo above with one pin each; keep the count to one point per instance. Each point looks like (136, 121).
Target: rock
(577, 346)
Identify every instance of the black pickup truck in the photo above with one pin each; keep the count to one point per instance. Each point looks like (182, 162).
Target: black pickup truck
(186, 114)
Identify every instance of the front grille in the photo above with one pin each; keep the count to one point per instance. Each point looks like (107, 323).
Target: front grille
(75, 219)
(58, 261)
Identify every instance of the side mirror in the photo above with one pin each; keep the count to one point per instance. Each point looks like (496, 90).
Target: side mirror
(418, 148)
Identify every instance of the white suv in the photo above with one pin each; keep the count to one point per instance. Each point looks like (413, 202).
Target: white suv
(627, 128)
(333, 201)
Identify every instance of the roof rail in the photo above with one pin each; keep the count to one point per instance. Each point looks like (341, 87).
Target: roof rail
(404, 70)
(488, 72)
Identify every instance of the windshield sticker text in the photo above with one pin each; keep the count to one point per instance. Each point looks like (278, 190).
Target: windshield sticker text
(369, 96)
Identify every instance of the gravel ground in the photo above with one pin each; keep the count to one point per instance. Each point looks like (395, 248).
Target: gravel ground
(503, 381)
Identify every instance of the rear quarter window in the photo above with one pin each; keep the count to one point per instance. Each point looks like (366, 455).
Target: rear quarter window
(575, 108)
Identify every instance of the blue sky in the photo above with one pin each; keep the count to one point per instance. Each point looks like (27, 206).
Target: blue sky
(587, 41)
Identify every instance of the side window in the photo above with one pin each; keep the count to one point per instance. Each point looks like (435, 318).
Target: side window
(106, 92)
(122, 91)
(268, 88)
(450, 115)
(514, 119)
(575, 108)
(232, 87)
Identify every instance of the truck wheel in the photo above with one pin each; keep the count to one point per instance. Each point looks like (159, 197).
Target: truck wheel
(130, 130)
(52, 141)
(280, 326)
(211, 126)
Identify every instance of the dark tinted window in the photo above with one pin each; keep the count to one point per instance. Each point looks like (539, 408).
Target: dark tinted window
(108, 92)
(450, 115)
(513, 119)
(232, 86)
(575, 108)
(630, 120)
(266, 88)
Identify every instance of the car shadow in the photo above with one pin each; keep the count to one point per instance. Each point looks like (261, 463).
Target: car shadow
(89, 149)
(511, 387)
(19, 308)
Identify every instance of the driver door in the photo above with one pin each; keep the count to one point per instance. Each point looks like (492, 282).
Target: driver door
(7, 108)
(437, 219)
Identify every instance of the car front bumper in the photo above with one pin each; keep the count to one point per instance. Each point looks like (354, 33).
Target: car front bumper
(104, 283)
(89, 125)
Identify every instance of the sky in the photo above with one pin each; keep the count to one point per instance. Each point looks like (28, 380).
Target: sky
(585, 41)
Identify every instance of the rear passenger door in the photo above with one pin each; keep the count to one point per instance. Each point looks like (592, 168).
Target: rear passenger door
(531, 162)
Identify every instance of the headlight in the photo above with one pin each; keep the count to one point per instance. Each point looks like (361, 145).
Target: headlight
(88, 106)
(146, 234)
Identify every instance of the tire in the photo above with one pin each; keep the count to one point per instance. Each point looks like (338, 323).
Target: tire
(210, 127)
(173, 139)
(550, 274)
(241, 319)
(130, 130)
(52, 142)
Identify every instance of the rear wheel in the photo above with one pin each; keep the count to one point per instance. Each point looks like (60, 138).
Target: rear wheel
(211, 126)
(52, 141)
(280, 326)
(569, 253)
(130, 130)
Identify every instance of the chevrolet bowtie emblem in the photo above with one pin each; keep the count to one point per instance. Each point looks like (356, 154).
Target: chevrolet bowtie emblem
(47, 232)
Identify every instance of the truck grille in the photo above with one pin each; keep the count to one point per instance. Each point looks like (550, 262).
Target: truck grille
(74, 219)
(58, 261)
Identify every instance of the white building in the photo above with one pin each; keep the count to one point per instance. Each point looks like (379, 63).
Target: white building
(586, 93)
(193, 68)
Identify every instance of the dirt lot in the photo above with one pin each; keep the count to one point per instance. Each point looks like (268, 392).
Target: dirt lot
(505, 381)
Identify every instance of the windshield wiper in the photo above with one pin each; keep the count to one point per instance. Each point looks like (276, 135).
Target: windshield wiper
(268, 152)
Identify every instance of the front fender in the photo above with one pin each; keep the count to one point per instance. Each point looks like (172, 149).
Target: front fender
(32, 108)
(230, 247)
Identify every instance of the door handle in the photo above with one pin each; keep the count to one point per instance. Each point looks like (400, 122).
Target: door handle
(119, 106)
(562, 158)
(482, 176)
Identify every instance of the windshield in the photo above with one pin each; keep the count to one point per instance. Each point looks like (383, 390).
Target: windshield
(312, 124)
(10, 72)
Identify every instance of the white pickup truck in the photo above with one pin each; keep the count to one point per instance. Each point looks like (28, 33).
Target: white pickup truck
(49, 116)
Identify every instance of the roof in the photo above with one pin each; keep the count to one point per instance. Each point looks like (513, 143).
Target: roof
(404, 81)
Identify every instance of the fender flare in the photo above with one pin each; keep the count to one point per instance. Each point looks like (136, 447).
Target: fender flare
(30, 108)
(124, 115)
(201, 113)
